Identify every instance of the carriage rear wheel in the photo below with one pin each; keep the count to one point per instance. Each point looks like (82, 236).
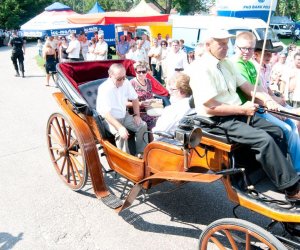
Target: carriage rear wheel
(236, 234)
(65, 152)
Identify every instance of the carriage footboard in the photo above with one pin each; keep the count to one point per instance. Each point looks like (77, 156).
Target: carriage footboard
(170, 176)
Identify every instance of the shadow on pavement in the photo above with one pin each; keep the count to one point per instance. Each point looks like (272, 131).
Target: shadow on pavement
(7, 241)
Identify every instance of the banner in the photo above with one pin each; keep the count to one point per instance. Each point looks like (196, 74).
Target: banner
(245, 8)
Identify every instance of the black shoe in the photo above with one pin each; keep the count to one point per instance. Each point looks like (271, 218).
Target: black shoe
(17, 74)
(23, 74)
(293, 196)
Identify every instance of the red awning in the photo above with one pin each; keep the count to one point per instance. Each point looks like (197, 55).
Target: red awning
(117, 17)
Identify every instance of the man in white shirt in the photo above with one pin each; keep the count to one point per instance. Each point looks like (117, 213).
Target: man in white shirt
(113, 96)
(176, 59)
(101, 48)
(73, 49)
(214, 80)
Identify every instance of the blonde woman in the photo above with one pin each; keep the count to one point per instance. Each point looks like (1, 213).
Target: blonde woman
(49, 56)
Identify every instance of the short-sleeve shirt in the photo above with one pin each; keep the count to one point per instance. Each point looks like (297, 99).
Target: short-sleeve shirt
(16, 43)
(248, 71)
(210, 82)
(113, 100)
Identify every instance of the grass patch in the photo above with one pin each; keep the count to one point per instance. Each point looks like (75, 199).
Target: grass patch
(288, 41)
(40, 61)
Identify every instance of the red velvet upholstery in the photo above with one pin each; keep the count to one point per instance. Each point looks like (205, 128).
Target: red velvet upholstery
(81, 72)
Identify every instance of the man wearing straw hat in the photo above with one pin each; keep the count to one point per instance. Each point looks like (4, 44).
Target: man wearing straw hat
(214, 80)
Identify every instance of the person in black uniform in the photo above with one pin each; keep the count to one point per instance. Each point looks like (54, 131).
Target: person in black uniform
(18, 51)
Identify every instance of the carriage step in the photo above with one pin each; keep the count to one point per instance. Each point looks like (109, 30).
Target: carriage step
(112, 201)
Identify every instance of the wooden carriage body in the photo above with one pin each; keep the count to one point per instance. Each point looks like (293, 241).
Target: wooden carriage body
(162, 161)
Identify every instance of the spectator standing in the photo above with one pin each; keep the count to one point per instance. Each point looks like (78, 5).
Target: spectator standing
(155, 59)
(40, 47)
(63, 55)
(131, 54)
(159, 39)
(84, 45)
(294, 83)
(181, 44)
(146, 43)
(73, 49)
(140, 53)
(91, 56)
(18, 52)
(176, 59)
(101, 48)
(122, 47)
(49, 56)
(130, 40)
(164, 53)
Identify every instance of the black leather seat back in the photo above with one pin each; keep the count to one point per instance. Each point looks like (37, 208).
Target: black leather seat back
(89, 91)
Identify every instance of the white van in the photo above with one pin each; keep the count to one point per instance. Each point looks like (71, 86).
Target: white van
(194, 29)
(281, 30)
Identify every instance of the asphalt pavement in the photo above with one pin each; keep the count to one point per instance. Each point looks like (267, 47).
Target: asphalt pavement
(37, 211)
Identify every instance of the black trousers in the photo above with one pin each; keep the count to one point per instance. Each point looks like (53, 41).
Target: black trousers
(266, 140)
(18, 57)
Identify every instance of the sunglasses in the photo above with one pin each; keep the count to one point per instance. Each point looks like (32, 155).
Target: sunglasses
(121, 78)
(141, 71)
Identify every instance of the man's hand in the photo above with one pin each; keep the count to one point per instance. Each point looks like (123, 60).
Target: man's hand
(249, 108)
(137, 120)
(123, 133)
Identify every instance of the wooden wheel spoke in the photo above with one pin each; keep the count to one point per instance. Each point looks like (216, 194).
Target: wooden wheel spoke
(231, 239)
(55, 139)
(54, 148)
(58, 136)
(72, 171)
(64, 129)
(56, 160)
(73, 144)
(73, 159)
(69, 136)
(74, 152)
(63, 166)
(218, 243)
(59, 128)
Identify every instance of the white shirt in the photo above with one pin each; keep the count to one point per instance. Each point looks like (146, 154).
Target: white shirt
(102, 48)
(208, 82)
(171, 115)
(73, 49)
(155, 51)
(113, 100)
(146, 46)
(176, 61)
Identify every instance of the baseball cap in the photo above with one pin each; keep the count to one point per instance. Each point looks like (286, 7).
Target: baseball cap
(219, 34)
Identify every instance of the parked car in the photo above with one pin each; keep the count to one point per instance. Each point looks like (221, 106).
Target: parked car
(282, 30)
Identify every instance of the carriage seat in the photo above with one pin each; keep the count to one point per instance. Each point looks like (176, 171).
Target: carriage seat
(89, 91)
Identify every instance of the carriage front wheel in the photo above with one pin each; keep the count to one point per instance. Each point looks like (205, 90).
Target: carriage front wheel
(236, 234)
(66, 152)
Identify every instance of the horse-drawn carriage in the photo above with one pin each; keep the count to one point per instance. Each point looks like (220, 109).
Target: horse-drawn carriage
(77, 139)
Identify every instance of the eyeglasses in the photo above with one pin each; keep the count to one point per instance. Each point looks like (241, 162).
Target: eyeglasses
(121, 78)
(243, 49)
(141, 71)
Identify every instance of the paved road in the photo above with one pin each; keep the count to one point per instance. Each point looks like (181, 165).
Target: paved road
(37, 211)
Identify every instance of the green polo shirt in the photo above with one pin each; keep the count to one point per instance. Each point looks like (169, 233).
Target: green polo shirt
(248, 71)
